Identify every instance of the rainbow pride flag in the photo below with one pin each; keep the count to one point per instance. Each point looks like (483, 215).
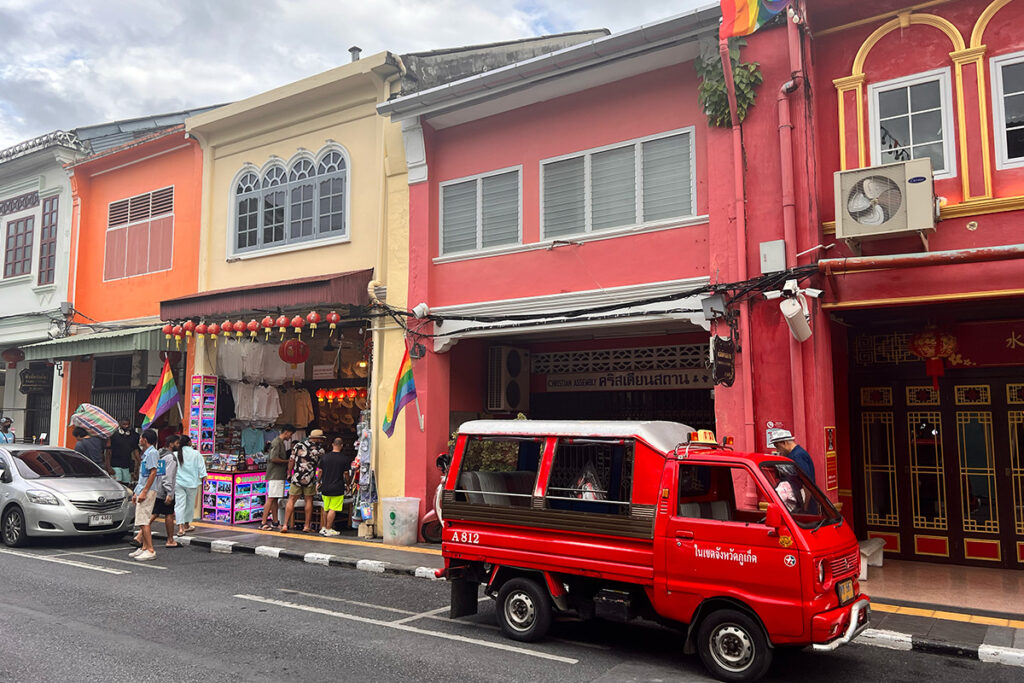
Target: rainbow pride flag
(743, 17)
(403, 393)
(164, 396)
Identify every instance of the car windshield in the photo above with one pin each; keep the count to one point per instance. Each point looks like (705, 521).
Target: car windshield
(809, 507)
(54, 463)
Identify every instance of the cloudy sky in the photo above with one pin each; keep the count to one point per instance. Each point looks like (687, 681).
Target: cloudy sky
(72, 63)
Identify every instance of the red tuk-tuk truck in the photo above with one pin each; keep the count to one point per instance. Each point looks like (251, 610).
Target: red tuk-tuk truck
(619, 520)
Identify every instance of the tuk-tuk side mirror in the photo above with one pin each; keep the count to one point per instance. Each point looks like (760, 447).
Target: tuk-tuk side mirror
(773, 516)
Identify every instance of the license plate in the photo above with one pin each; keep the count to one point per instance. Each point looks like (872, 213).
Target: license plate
(845, 591)
(101, 520)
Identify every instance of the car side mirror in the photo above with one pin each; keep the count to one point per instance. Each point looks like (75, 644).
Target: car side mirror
(773, 516)
(4, 476)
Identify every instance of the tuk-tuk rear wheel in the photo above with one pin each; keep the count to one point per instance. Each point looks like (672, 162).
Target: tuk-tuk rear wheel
(524, 610)
(733, 646)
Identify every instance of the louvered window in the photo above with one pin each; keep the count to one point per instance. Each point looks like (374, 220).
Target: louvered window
(48, 242)
(304, 202)
(140, 235)
(480, 212)
(635, 183)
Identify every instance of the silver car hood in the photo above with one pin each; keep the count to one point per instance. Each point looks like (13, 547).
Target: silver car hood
(83, 488)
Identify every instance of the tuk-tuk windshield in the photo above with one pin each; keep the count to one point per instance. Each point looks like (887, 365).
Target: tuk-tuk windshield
(805, 501)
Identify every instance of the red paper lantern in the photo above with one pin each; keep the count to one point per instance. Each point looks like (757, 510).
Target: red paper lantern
(177, 330)
(932, 344)
(168, 330)
(330, 396)
(333, 318)
(201, 329)
(363, 393)
(253, 327)
(13, 356)
(173, 356)
(239, 328)
(321, 394)
(267, 323)
(293, 351)
(313, 318)
(282, 324)
(189, 327)
(352, 393)
(225, 328)
(298, 323)
(214, 330)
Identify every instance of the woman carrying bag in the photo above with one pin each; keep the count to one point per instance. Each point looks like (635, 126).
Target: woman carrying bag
(191, 472)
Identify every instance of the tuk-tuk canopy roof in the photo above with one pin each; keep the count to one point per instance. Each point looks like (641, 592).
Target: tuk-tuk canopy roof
(663, 436)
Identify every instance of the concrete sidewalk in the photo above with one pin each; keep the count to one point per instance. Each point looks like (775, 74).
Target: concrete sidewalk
(897, 622)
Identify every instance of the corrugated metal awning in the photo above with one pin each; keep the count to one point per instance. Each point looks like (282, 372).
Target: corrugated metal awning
(91, 343)
(337, 289)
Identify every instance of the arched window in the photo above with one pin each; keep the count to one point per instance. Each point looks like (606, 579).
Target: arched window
(304, 202)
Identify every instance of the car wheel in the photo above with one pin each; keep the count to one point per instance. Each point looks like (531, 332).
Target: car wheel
(524, 610)
(431, 531)
(733, 646)
(12, 527)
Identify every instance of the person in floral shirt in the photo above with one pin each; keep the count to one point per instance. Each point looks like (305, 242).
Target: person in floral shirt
(302, 464)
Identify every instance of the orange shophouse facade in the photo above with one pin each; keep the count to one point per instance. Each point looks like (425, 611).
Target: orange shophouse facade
(136, 235)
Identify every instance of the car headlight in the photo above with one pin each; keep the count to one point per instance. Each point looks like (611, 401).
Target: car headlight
(42, 497)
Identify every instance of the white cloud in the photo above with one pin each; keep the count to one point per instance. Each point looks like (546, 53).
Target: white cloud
(64, 65)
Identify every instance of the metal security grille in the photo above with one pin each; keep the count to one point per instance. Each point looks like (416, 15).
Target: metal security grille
(624, 360)
(121, 404)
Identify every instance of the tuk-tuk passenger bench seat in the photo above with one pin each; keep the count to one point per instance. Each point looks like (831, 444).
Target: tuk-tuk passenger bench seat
(871, 553)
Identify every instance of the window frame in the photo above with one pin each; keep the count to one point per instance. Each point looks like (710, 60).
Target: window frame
(49, 208)
(110, 360)
(639, 224)
(288, 243)
(30, 259)
(944, 78)
(149, 219)
(478, 179)
(996, 64)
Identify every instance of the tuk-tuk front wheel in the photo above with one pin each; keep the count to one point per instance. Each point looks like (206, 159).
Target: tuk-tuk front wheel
(733, 647)
(524, 610)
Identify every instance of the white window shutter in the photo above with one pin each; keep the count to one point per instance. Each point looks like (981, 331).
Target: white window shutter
(564, 197)
(667, 174)
(458, 207)
(613, 183)
(500, 209)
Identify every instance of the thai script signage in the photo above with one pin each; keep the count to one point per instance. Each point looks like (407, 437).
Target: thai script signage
(32, 380)
(630, 381)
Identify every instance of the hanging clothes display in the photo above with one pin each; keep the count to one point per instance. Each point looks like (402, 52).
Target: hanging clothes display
(243, 394)
(252, 440)
(252, 361)
(303, 407)
(266, 405)
(229, 360)
(225, 403)
(274, 369)
(287, 416)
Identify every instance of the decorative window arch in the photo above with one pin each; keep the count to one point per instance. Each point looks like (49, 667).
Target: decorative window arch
(285, 204)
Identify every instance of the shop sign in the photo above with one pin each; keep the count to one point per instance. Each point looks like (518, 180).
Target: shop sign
(988, 344)
(831, 460)
(33, 381)
(723, 360)
(324, 372)
(631, 380)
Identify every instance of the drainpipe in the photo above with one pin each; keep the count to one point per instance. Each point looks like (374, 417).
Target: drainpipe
(838, 266)
(796, 361)
(747, 377)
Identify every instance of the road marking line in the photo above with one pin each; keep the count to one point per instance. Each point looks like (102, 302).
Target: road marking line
(317, 558)
(325, 539)
(490, 627)
(96, 552)
(375, 566)
(221, 546)
(421, 615)
(131, 562)
(268, 551)
(70, 563)
(409, 629)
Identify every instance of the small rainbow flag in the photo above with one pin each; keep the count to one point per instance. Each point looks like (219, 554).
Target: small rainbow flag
(403, 393)
(163, 397)
(743, 17)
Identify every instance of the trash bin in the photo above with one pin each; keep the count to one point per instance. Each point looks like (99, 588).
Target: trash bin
(400, 520)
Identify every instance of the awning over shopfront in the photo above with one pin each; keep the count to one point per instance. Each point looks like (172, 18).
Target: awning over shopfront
(92, 343)
(338, 288)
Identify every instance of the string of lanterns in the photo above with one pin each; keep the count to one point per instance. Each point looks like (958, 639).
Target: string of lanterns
(188, 328)
(345, 396)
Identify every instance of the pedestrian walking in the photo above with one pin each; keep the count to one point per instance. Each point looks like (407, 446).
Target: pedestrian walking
(303, 463)
(90, 446)
(334, 479)
(188, 478)
(785, 444)
(124, 452)
(277, 472)
(6, 433)
(164, 504)
(150, 479)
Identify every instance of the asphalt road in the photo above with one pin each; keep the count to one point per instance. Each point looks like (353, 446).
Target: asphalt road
(84, 611)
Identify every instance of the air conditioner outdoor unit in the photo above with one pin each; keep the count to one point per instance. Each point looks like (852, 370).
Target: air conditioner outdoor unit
(885, 201)
(508, 379)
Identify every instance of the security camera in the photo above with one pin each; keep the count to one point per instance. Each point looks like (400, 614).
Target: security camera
(814, 293)
(775, 294)
(791, 288)
(421, 310)
(796, 317)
